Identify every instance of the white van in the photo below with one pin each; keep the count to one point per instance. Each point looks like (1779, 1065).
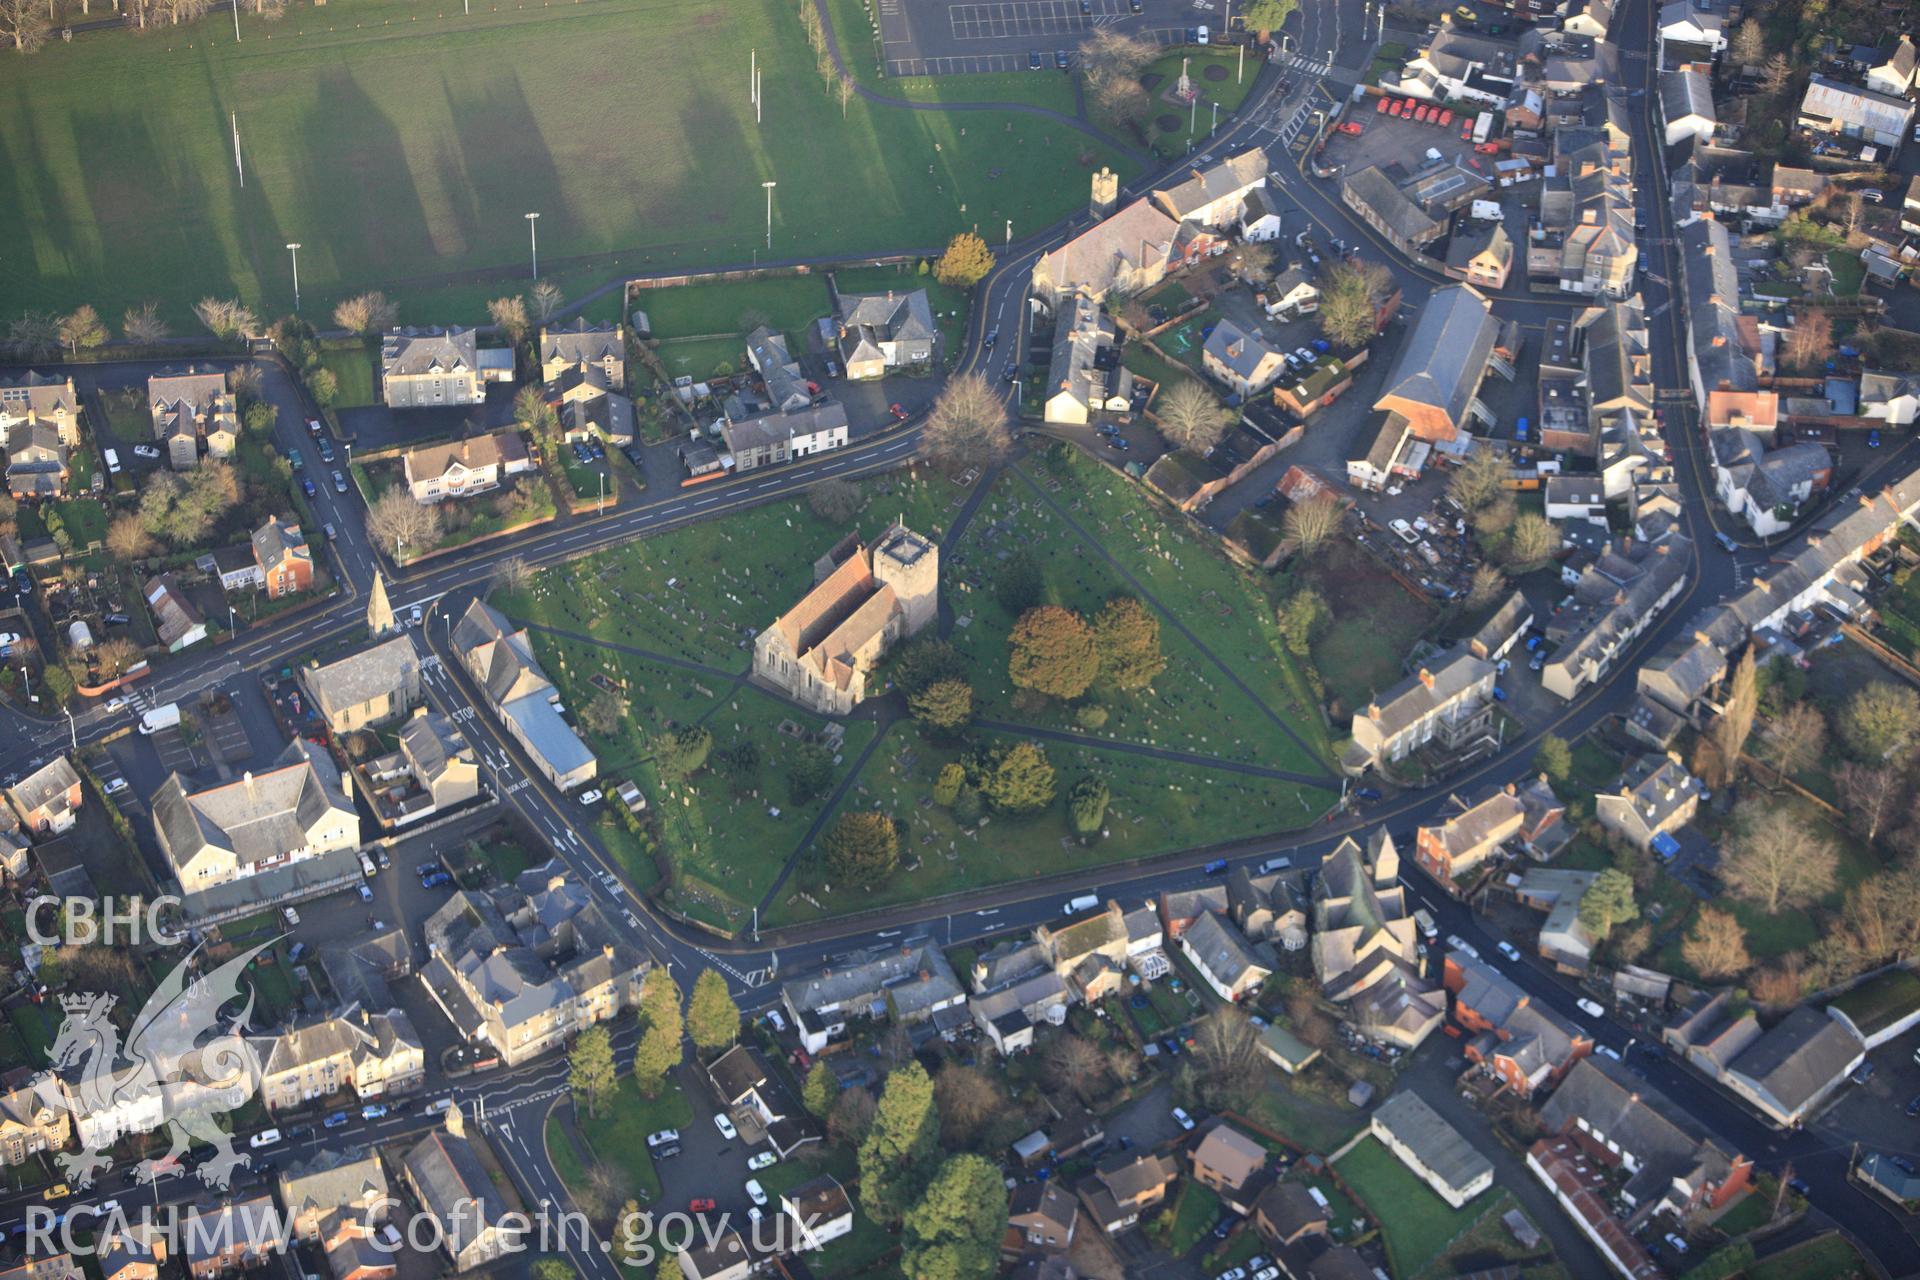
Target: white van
(1272, 865)
(112, 460)
(366, 866)
(1085, 902)
(264, 1138)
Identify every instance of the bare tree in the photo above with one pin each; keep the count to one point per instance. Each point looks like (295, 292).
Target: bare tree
(116, 654)
(1793, 739)
(844, 86)
(968, 424)
(1777, 75)
(1810, 341)
(1749, 46)
(1775, 860)
(1312, 522)
(1533, 541)
(128, 539)
(851, 1117)
(1122, 102)
(1488, 582)
(512, 574)
(367, 313)
(1480, 480)
(23, 25)
(1227, 1056)
(1110, 55)
(968, 1100)
(143, 325)
(1716, 945)
(835, 500)
(396, 520)
(35, 335)
(1075, 1064)
(509, 315)
(546, 299)
(1191, 419)
(225, 317)
(1870, 795)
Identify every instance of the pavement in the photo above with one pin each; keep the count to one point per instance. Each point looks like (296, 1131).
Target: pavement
(1323, 35)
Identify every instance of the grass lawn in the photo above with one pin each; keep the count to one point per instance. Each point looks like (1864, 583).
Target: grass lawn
(701, 358)
(1218, 600)
(1749, 1215)
(725, 840)
(700, 591)
(400, 145)
(1156, 807)
(1309, 1124)
(85, 519)
(1143, 363)
(620, 1136)
(1164, 75)
(1487, 1245)
(712, 308)
(1880, 1001)
(1417, 1223)
(128, 420)
(1193, 1215)
(1829, 1257)
(1363, 652)
(353, 373)
(1848, 271)
(31, 1024)
(858, 1250)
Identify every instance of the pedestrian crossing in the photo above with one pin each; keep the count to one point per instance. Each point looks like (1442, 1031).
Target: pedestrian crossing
(1310, 66)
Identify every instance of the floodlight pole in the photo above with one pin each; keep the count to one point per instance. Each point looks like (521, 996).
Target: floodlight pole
(769, 186)
(236, 21)
(533, 238)
(293, 247)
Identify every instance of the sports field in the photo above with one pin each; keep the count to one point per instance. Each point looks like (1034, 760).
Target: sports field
(401, 143)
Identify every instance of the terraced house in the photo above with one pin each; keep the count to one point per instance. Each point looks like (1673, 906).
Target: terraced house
(500, 660)
(372, 1054)
(526, 966)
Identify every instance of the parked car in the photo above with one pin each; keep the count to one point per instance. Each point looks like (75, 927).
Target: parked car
(1060, 59)
(1507, 949)
(366, 894)
(663, 1138)
(335, 1120)
(1590, 1007)
(765, 1160)
(899, 414)
(700, 1204)
(1678, 1245)
(1181, 1118)
(1035, 60)
(372, 1111)
(308, 487)
(146, 451)
(339, 481)
(591, 797)
(756, 1192)
(725, 1126)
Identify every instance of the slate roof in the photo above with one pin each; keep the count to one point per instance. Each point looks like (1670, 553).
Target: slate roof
(1446, 352)
(411, 351)
(332, 1179)
(454, 1187)
(258, 818)
(1438, 1145)
(389, 667)
(47, 786)
(1798, 1059)
(495, 449)
(1371, 189)
(1666, 1141)
(1685, 93)
(580, 341)
(894, 973)
(1240, 352)
(1202, 187)
(1453, 673)
(1138, 234)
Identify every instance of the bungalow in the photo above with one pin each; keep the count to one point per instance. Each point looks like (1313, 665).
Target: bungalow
(1788, 1071)
(1434, 1150)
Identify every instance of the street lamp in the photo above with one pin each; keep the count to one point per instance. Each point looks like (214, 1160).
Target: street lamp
(1009, 231)
(533, 238)
(72, 728)
(769, 186)
(293, 248)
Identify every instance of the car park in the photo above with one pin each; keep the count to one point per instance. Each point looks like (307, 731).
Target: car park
(725, 1126)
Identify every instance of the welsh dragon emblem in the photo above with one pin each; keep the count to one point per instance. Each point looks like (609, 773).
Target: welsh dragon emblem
(180, 1063)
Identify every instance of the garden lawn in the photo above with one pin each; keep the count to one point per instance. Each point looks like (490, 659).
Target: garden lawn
(1417, 1223)
(702, 358)
(729, 577)
(400, 146)
(1486, 1245)
(1308, 1124)
(1194, 1214)
(1156, 807)
(725, 840)
(858, 1250)
(708, 309)
(353, 374)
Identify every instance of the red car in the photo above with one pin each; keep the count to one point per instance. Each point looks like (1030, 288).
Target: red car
(899, 414)
(1381, 107)
(700, 1204)
(1446, 118)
